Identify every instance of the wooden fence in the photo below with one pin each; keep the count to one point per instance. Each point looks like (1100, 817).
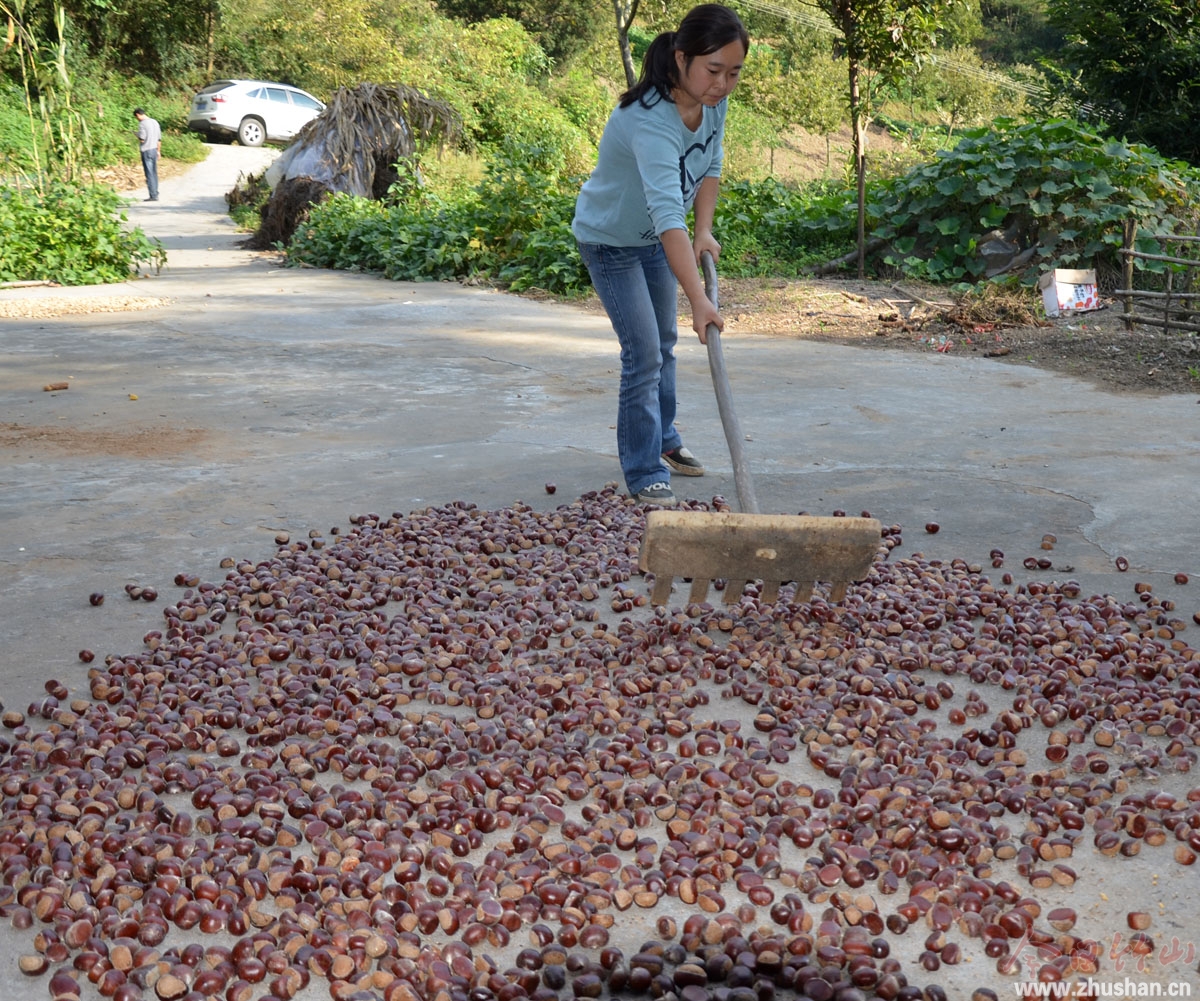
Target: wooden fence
(1176, 306)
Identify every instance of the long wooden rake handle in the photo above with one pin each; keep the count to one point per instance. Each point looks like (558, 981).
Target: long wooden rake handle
(742, 480)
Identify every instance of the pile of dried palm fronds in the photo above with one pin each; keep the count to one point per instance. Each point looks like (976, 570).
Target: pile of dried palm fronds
(351, 147)
(285, 210)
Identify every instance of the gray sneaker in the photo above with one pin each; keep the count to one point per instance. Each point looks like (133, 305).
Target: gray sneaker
(657, 493)
(683, 462)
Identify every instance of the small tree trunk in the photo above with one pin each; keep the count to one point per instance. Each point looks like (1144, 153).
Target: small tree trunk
(210, 23)
(860, 162)
(1127, 271)
(625, 13)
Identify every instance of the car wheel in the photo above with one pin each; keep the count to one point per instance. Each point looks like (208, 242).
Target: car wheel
(252, 132)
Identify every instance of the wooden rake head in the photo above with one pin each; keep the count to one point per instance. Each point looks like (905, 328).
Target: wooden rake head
(773, 548)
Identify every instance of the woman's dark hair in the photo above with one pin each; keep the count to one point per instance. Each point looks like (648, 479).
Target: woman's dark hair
(705, 29)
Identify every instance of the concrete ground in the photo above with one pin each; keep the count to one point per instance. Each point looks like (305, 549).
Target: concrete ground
(257, 399)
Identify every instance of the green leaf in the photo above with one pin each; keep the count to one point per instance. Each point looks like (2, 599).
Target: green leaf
(993, 215)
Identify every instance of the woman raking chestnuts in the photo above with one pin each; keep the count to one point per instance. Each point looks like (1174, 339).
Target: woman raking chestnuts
(660, 156)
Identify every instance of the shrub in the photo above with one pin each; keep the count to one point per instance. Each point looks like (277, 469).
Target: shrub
(585, 100)
(246, 200)
(1055, 187)
(15, 142)
(72, 234)
(756, 224)
(513, 227)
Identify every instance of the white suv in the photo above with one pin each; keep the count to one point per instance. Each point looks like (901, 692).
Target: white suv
(252, 110)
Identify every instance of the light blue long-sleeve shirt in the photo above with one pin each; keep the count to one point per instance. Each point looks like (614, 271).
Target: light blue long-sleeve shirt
(648, 170)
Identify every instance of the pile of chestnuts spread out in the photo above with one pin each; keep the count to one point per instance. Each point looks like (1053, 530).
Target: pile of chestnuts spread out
(457, 756)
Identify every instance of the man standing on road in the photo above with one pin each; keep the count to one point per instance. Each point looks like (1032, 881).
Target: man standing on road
(150, 140)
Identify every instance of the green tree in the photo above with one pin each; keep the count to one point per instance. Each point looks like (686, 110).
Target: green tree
(160, 39)
(319, 46)
(964, 91)
(1138, 65)
(1016, 31)
(891, 38)
(962, 25)
(561, 27)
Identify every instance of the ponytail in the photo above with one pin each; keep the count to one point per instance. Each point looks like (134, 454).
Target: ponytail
(659, 74)
(704, 30)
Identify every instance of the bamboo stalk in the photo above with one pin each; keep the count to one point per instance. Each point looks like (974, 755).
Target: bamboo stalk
(1127, 268)
(1156, 321)
(1155, 295)
(1167, 304)
(1180, 312)
(1160, 257)
(1175, 313)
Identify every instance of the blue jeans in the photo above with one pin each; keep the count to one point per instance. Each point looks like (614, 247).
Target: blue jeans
(638, 291)
(150, 166)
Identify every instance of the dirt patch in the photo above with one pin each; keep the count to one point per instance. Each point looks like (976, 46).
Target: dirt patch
(133, 443)
(48, 306)
(126, 177)
(1093, 346)
(908, 316)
